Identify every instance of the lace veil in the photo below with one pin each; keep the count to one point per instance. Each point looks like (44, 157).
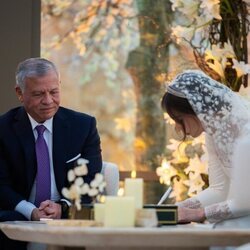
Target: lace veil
(222, 112)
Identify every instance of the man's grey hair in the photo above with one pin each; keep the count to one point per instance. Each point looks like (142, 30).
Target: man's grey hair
(33, 67)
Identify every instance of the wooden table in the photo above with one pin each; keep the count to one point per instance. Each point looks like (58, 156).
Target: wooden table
(191, 236)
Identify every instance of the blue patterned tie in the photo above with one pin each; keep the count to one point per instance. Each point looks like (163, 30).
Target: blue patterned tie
(43, 168)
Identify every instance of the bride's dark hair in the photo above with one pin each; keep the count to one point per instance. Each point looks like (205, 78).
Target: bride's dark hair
(173, 104)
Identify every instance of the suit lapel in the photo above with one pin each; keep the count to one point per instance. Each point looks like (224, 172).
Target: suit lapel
(61, 144)
(25, 134)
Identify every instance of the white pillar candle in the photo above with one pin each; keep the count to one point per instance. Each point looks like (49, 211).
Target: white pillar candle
(134, 188)
(119, 211)
(99, 210)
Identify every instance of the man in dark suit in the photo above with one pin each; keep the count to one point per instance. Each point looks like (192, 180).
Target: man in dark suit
(67, 135)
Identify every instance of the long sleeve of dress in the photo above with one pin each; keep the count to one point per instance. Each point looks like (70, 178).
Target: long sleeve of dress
(218, 179)
(238, 202)
(226, 197)
(218, 184)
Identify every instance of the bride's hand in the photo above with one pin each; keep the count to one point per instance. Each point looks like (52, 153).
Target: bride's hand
(186, 215)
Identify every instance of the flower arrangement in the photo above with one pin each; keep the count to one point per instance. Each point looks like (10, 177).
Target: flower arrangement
(78, 187)
(217, 32)
(185, 168)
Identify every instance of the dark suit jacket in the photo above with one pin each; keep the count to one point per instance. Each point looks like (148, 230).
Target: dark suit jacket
(73, 133)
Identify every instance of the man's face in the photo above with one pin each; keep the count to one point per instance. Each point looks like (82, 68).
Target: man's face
(41, 96)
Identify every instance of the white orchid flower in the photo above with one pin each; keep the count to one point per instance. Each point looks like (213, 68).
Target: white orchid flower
(178, 187)
(78, 204)
(94, 183)
(93, 192)
(71, 175)
(218, 67)
(174, 144)
(220, 53)
(190, 8)
(166, 172)
(225, 51)
(195, 184)
(228, 50)
(212, 54)
(65, 193)
(212, 7)
(102, 186)
(81, 170)
(176, 4)
(84, 188)
(203, 20)
(241, 68)
(159, 171)
(97, 181)
(196, 166)
(79, 181)
(183, 32)
(82, 161)
(99, 177)
(73, 193)
(199, 139)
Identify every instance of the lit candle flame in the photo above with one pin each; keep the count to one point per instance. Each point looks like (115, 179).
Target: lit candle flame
(102, 199)
(133, 174)
(120, 192)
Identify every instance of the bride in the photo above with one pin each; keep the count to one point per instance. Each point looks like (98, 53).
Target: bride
(198, 103)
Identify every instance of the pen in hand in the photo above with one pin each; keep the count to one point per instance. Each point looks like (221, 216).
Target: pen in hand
(165, 196)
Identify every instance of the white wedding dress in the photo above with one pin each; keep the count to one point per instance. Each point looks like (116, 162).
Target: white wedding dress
(225, 117)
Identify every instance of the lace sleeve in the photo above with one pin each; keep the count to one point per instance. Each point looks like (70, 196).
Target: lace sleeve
(214, 213)
(218, 212)
(238, 200)
(218, 182)
(190, 203)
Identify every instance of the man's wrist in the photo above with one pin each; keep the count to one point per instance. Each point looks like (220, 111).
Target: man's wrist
(34, 215)
(64, 208)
